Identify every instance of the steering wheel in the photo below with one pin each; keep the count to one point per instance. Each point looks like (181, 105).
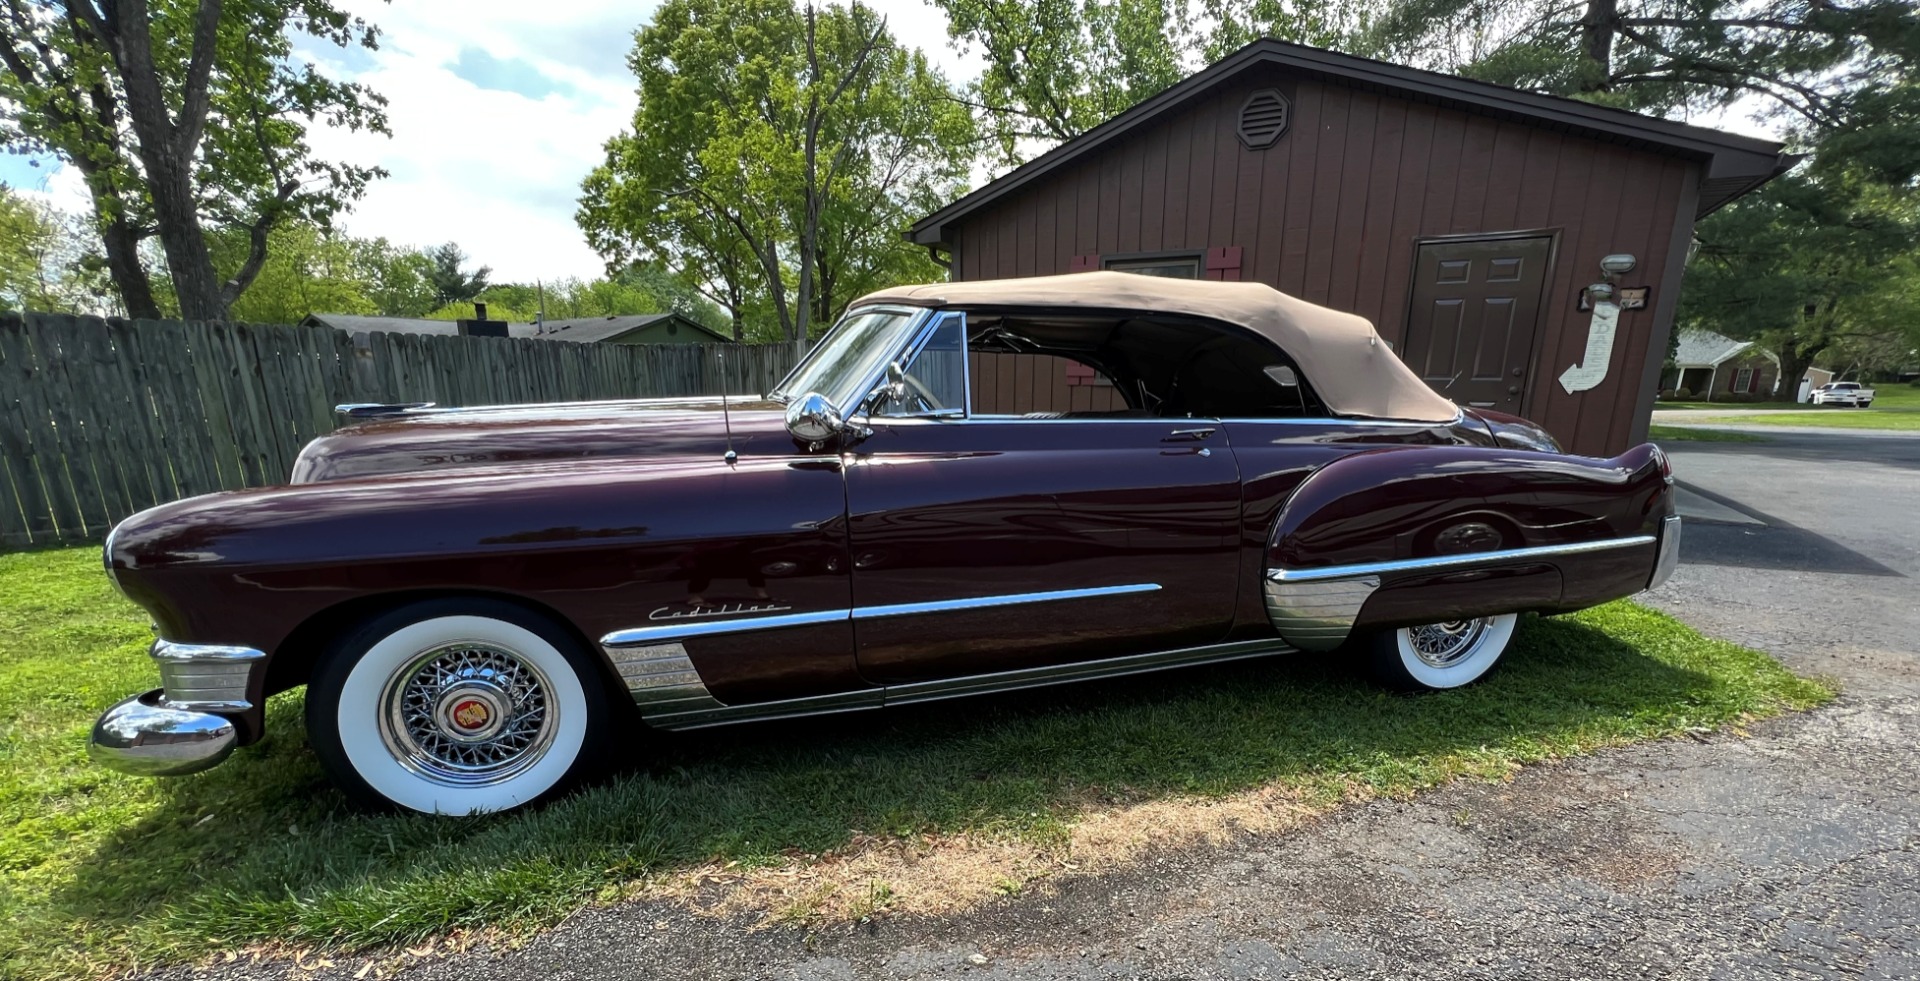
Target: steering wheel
(919, 390)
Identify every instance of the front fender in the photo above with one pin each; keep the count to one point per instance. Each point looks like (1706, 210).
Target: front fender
(1415, 534)
(603, 545)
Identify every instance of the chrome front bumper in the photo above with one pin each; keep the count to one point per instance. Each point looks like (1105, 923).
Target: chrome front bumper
(146, 737)
(182, 726)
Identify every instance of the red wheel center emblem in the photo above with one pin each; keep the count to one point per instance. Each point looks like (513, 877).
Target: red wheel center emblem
(471, 713)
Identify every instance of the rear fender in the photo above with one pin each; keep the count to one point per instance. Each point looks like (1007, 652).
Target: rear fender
(1417, 534)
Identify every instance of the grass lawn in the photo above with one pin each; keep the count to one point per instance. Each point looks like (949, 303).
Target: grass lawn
(1895, 406)
(1877, 417)
(1685, 434)
(100, 873)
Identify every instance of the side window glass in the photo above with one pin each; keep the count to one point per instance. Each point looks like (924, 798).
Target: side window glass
(1041, 385)
(933, 380)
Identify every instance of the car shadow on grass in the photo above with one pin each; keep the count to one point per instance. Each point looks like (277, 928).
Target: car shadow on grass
(262, 848)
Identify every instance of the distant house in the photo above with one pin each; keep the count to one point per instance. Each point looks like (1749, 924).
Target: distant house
(1709, 365)
(646, 328)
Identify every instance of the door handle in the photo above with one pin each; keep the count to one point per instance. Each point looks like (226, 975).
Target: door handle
(1188, 435)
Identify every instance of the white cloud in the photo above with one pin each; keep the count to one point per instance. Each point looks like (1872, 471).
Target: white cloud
(499, 171)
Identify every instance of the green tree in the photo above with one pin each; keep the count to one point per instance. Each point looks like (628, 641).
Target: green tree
(308, 270)
(1057, 68)
(1811, 264)
(48, 260)
(187, 119)
(397, 281)
(776, 156)
(451, 283)
(1822, 63)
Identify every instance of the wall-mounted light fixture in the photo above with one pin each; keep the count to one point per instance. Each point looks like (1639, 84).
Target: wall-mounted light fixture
(1617, 264)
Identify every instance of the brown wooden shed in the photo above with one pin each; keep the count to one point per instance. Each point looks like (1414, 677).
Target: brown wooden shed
(1464, 219)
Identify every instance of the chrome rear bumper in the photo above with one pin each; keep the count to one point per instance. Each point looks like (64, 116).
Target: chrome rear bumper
(148, 738)
(1669, 550)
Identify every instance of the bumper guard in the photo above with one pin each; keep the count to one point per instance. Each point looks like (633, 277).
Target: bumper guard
(146, 737)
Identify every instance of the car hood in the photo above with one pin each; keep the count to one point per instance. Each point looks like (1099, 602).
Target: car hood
(445, 439)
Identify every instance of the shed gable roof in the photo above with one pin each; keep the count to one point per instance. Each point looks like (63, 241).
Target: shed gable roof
(1734, 165)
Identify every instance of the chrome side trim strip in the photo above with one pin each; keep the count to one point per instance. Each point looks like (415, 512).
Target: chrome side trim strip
(1009, 599)
(204, 677)
(647, 635)
(1054, 674)
(1453, 561)
(1317, 615)
(927, 691)
(678, 631)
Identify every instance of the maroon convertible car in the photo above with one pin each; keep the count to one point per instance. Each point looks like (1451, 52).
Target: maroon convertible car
(479, 599)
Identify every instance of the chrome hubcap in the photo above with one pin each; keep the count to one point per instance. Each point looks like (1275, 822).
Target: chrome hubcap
(1443, 645)
(468, 714)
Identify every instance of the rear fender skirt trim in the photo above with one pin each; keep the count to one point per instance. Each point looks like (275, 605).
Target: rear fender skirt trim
(1315, 608)
(927, 691)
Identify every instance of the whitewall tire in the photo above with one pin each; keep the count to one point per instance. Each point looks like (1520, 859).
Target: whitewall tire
(457, 707)
(1438, 656)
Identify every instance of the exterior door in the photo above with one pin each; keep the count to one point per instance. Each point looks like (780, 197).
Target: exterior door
(985, 544)
(1476, 311)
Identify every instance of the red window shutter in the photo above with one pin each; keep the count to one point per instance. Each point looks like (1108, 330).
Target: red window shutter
(1085, 263)
(1223, 263)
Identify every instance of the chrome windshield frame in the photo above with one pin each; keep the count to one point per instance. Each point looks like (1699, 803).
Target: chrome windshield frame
(918, 319)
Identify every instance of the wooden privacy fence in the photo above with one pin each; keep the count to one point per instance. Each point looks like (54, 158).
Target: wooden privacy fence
(102, 418)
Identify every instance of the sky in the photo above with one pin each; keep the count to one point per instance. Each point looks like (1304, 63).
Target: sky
(498, 109)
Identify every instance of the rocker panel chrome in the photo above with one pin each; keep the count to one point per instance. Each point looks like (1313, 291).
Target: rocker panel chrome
(927, 691)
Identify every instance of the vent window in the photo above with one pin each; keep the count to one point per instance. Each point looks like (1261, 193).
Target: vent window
(1263, 118)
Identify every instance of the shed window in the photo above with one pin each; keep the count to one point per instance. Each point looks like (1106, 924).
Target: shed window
(1172, 267)
(1743, 381)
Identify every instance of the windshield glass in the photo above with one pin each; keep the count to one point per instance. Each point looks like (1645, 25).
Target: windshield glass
(851, 353)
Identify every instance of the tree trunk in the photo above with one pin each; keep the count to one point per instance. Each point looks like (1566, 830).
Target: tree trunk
(1793, 367)
(122, 244)
(1596, 43)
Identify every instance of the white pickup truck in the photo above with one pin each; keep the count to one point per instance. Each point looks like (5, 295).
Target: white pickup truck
(1843, 393)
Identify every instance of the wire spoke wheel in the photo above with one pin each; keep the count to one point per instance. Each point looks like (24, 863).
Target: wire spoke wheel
(468, 714)
(1443, 645)
(1435, 656)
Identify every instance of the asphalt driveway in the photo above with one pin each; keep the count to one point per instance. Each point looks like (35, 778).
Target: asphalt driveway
(1789, 853)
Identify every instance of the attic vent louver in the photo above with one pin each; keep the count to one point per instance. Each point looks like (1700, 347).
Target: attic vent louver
(1263, 118)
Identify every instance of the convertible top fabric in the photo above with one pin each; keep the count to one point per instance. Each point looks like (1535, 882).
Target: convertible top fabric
(1351, 368)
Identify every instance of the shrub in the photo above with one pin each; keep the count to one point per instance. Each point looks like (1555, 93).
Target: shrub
(1676, 395)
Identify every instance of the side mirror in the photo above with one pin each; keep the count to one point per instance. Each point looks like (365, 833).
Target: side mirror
(813, 420)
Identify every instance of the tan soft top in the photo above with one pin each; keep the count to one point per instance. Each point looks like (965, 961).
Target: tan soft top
(1351, 368)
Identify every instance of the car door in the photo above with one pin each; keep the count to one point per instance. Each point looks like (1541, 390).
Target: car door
(985, 544)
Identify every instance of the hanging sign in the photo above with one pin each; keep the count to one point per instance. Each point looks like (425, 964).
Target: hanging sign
(1592, 369)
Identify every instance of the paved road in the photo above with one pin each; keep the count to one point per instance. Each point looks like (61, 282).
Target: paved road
(1792, 853)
